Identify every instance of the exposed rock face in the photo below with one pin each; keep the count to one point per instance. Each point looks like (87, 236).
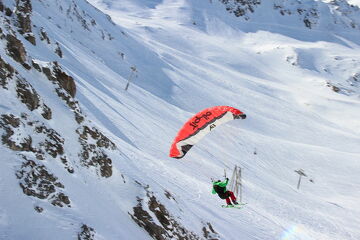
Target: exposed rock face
(87, 233)
(6, 73)
(36, 181)
(16, 50)
(209, 232)
(66, 88)
(17, 137)
(13, 138)
(23, 13)
(94, 144)
(309, 13)
(169, 227)
(56, 74)
(27, 94)
(241, 7)
(58, 51)
(44, 36)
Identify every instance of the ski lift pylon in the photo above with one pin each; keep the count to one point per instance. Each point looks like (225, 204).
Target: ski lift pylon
(235, 184)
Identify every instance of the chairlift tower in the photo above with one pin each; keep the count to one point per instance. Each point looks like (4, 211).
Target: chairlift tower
(301, 174)
(236, 183)
(132, 74)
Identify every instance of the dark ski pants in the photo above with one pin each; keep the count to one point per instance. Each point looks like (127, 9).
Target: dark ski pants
(232, 197)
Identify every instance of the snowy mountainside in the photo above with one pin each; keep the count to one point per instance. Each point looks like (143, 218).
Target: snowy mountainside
(86, 159)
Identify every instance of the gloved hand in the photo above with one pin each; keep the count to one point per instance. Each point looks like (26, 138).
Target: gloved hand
(227, 179)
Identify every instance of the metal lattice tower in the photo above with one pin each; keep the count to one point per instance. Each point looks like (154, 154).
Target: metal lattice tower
(235, 184)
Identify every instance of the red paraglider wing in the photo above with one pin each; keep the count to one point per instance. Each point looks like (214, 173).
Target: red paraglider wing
(199, 125)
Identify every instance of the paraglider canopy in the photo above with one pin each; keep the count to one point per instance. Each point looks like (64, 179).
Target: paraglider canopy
(201, 124)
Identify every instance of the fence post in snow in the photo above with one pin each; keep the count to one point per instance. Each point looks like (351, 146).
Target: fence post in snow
(132, 74)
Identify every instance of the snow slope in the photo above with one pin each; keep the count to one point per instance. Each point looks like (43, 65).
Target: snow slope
(190, 55)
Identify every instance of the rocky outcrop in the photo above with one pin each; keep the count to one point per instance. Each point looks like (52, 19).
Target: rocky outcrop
(209, 232)
(339, 12)
(349, 87)
(36, 181)
(65, 87)
(13, 137)
(241, 8)
(153, 216)
(55, 74)
(308, 14)
(44, 36)
(94, 144)
(23, 13)
(25, 92)
(58, 50)
(87, 233)
(169, 228)
(19, 135)
(6, 73)
(16, 50)
(34, 178)
(28, 95)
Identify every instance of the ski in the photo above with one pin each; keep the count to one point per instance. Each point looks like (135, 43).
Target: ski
(238, 206)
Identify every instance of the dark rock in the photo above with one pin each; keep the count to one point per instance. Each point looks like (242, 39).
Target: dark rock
(60, 200)
(16, 50)
(8, 12)
(44, 36)
(307, 23)
(58, 50)
(6, 72)
(87, 233)
(169, 195)
(46, 113)
(209, 232)
(9, 123)
(23, 12)
(48, 73)
(27, 94)
(335, 89)
(67, 165)
(57, 75)
(36, 66)
(39, 209)
(240, 8)
(10, 120)
(65, 81)
(93, 154)
(49, 143)
(36, 181)
(79, 118)
(53, 143)
(30, 38)
(169, 228)
(66, 89)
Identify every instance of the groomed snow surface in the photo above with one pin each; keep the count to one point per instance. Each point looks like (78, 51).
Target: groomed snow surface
(191, 55)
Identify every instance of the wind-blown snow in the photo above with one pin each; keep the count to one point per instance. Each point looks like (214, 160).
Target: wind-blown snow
(191, 55)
